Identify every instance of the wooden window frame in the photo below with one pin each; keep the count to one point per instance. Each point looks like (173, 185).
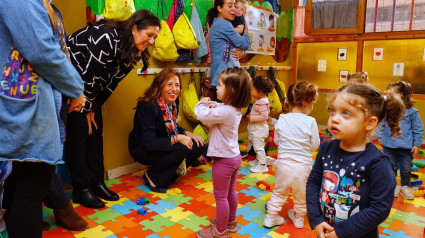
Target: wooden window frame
(359, 29)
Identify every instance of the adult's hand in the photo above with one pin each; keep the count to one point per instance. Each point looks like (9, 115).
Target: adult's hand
(90, 120)
(198, 139)
(323, 228)
(185, 140)
(237, 54)
(77, 103)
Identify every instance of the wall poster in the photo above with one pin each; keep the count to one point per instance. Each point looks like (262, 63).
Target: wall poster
(262, 30)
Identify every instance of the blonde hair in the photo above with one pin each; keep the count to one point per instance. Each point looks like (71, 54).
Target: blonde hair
(358, 77)
(54, 18)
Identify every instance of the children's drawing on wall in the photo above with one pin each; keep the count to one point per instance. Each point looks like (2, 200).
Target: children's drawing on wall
(262, 21)
(262, 29)
(260, 44)
(271, 23)
(251, 48)
(272, 43)
(250, 18)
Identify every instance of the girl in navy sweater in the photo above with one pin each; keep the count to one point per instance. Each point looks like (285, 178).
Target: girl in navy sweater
(350, 188)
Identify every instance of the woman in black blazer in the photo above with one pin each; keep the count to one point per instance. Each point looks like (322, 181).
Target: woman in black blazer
(156, 139)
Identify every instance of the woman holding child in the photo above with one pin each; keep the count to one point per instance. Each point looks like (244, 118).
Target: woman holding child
(156, 138)
(223, 37)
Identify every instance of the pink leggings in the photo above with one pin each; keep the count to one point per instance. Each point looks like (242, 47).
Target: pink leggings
(224, 174)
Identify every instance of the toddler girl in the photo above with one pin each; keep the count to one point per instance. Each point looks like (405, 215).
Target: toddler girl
(258, 128)
(401, 148)
(297, 136)
(350, 188)
(234, 90)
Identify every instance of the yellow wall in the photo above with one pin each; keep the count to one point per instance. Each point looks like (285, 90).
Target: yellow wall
(409, 52)
(73, 13)
(309, 55)
(380, 72)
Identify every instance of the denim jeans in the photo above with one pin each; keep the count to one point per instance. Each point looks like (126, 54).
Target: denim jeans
(401, 158)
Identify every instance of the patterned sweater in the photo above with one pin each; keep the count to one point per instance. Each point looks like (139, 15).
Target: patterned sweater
(95, 54)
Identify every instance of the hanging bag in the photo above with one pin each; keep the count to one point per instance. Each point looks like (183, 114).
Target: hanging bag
(276, 97)
(184, 35)
(164, 47)
(118, 10)
(190, 99)
(197, 27)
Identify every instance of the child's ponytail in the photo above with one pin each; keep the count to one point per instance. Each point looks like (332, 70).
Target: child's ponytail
(394, 110)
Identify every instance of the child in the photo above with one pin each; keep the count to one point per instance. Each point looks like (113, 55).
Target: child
(239, 21)
(297, 136)
(358, 77)
(401, 149)
(234, 90)
(350, 188)
(258, 127)
(239, 24)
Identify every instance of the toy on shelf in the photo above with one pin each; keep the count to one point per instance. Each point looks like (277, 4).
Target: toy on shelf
(142, 201)
(263, 185)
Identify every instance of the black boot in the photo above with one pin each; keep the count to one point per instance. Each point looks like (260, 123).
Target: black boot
(86, 198)
(100, 190)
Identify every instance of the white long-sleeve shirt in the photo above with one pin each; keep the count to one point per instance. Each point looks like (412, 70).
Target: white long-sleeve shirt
(224, 123)
(296, 136)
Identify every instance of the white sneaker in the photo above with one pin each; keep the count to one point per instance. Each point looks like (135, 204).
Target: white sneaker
(406, 192)
(270, 161)
(298, 222)
(259, 168)
(271, 222)
(396, 191)
(253, 163)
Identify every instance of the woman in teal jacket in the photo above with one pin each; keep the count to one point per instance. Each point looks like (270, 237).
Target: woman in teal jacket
(32, 133)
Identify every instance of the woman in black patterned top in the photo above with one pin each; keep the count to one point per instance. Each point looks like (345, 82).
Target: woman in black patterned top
(103, 54)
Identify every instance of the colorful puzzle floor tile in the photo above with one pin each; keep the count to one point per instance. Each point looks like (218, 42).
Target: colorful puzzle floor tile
(189, 204)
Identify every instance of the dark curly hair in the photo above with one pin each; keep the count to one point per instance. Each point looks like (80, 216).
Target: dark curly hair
(263, 84)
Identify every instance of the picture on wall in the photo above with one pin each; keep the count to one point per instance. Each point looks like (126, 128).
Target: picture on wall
(262, 30)
(342, 54)
(343, 76)
(378, 54)
(398, 69)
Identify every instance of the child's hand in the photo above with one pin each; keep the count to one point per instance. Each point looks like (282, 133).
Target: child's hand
(205, 99)
(415, 150)
(331, 234)
(321, 228)
(269, 119)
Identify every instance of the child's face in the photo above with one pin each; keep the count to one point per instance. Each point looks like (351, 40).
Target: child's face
(220, 89)
(346, 122)
(240, 9)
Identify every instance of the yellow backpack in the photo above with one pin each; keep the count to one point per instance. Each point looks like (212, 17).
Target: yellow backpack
(190, 99)
(118, 10)
(164, 48)
(184, 35)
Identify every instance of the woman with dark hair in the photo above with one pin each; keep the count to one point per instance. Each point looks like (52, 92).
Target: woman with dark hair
(156, 139)
(223, 37)
(103, 54)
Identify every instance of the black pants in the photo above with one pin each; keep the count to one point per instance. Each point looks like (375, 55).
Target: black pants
(84, 152)
(25, 189)
(165, 164)
(56, 196)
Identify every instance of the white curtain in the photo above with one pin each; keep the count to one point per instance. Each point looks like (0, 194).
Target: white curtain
(334, 14)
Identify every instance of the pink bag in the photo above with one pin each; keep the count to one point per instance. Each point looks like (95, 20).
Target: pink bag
(172, 15)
